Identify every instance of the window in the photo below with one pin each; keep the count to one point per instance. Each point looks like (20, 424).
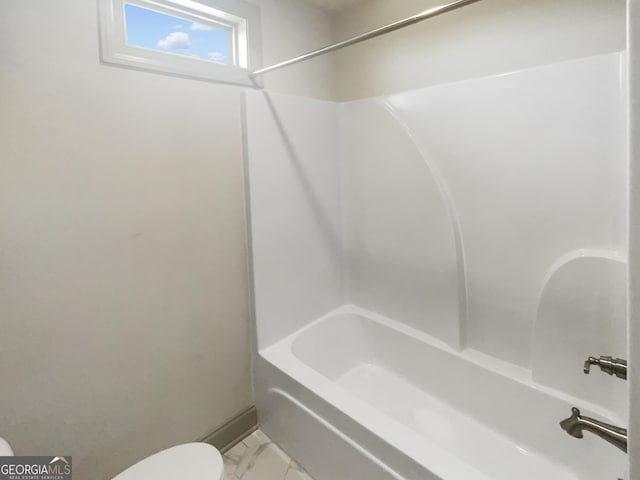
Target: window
(165, 33)
(210, 39)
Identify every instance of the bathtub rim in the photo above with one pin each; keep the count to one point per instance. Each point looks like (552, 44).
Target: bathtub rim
(423, 451)
(512, 372)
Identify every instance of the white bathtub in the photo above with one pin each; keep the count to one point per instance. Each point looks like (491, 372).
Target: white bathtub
(409, 407)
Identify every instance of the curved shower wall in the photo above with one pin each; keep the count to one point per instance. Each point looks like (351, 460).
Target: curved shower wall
(339, 215)
(371, 202)
(535, 161)
(582, 309)
(400, 241)
(435, 263)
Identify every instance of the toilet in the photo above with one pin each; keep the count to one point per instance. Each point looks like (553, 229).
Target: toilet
(190, 461)
(5, 448)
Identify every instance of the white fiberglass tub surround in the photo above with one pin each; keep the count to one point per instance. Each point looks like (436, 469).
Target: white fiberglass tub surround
(479, 227)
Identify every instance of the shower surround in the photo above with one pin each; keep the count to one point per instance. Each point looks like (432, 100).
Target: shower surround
(431, 268)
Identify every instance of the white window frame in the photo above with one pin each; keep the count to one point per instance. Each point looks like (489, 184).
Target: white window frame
(241, 18)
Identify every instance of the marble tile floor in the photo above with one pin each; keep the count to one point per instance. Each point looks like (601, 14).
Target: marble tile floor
(258, 458)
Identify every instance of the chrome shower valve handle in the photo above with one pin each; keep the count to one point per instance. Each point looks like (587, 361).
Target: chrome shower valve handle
(577, 423)
(609, 365)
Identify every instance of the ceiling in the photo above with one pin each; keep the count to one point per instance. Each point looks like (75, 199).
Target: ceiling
(334, 5)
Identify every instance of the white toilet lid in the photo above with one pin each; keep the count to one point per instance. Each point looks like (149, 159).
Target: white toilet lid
(191, 461)
(5, 448)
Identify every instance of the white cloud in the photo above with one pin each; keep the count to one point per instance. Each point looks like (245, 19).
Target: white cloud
(179, 26)
(200, 26)
(217, 57)
(175, 40)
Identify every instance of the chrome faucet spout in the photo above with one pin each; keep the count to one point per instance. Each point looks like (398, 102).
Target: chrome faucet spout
(576, 424)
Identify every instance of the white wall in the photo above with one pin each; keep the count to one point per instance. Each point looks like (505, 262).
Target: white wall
(634, 240)
(489, 37)
(123, 290)
(294, 187)
(289, 28)
(535, 165)
(400, 234)
(489, 213)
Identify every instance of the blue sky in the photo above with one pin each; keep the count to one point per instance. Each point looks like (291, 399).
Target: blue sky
(157, 31)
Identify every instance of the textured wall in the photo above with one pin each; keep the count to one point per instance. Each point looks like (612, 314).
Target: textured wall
(489, 37)
(123, 298)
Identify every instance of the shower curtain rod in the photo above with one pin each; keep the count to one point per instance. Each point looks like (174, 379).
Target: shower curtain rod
(432, 12)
